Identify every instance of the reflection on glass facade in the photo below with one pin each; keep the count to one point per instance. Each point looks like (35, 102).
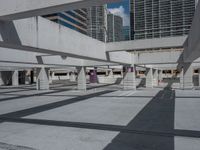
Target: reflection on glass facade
(76, 19)
(160, 18)
(89, 21)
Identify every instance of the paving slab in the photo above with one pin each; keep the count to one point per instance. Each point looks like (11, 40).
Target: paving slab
(187, 110)
(55, 138)
(101, 110)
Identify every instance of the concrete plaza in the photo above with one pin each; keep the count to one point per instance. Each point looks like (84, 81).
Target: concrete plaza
(101, 118)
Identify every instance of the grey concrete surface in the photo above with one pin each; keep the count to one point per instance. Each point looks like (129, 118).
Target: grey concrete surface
(99, 119)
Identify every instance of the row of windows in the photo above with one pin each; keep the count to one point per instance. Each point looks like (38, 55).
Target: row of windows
(174, 16)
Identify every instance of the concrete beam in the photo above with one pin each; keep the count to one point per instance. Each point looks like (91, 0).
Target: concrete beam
(192, 44)
(32, 35)
(18, 9)
(157, 57)
(22, 59)
(138, 45)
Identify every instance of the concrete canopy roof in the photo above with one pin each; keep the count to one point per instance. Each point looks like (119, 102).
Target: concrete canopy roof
(35, 36)
(19, 9)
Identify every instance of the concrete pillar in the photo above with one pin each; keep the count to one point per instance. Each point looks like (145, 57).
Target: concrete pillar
(160, 77)
(129, 81)
(15, 78)
(149, 77)
(68, 75)
(81, 80)
(42, 79)
(28, 77)
(111, 73)
(199, 76)
(186, 77)
(1, 80)
(50, 77)
(107, 72)
(93, 76)
(72, 77)
(155, 77)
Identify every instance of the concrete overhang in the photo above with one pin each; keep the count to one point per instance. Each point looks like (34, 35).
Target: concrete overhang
(39, 35)
(140, 45)
(19, 9)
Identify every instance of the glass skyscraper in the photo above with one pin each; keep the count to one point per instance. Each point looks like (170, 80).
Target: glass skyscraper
(97, 22)
(75, 19)
(89, 21)
(160, 18)
(115, 28)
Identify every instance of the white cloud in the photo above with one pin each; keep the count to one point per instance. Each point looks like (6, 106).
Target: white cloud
(121, 12)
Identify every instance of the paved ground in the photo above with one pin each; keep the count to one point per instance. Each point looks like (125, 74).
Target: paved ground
(102, 118)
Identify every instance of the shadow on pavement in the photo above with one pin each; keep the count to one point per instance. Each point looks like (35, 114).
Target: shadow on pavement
(158, 116)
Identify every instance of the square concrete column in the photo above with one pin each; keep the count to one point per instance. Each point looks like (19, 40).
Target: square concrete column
(1, 79)
(28, 77)
(15, 78)
(42, 78)
(110, 73)
(155, 77)
(68, 75)
(129, 81)
(50, 77)
(199, 76)
(93, 76)
(160, 77)
(81, 80)
(186, 77)
(72, 77)
(149, 77)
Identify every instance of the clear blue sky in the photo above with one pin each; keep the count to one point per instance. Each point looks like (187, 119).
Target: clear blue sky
(124, 3)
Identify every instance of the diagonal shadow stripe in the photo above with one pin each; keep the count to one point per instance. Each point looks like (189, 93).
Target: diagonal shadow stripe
(128, 96)
(105, 127)
(38, 109)
(31, 95)
(15, 91)
(157, 115)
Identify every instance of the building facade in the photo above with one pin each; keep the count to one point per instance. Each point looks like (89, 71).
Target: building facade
(89, 21)
(97, 22)
(160, 18)
(126, 33)
(114, 28)
(75, 19)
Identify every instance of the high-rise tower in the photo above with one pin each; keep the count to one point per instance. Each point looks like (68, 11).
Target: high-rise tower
(160, 18)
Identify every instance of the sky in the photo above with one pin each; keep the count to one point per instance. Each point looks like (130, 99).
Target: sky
(121, 9)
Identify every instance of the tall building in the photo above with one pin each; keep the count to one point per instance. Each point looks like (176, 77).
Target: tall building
(75, 19)
(114, 28)
(97, 22)
(126, 33)
(160, 18)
